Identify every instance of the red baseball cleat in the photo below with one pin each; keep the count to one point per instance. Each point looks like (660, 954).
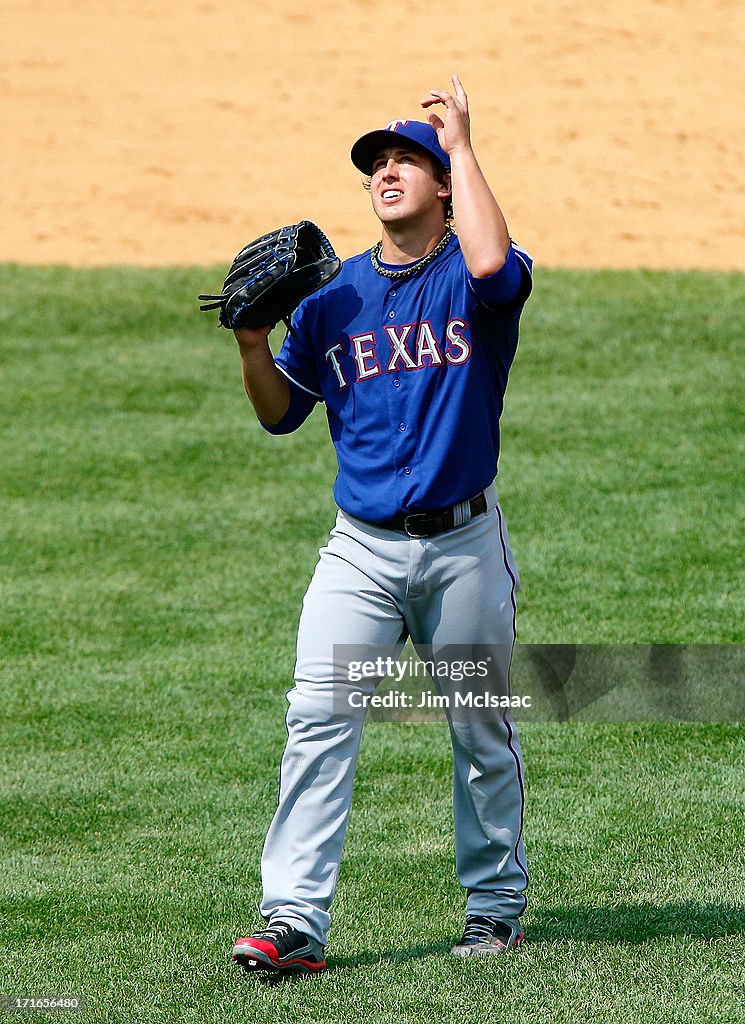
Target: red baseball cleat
(280, 947)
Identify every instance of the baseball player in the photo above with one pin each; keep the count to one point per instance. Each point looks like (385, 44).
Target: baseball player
(409, 348)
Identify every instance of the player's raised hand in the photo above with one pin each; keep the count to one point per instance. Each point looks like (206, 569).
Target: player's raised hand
(454, 131)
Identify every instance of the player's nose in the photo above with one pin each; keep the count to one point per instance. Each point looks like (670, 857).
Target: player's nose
(391, 168)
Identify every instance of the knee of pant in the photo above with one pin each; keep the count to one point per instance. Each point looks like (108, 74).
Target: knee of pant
(316, 705)
(480, 740)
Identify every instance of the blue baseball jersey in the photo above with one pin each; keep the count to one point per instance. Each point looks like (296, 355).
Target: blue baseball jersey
(413, 374)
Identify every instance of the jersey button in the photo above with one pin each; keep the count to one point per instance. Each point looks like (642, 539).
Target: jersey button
(407, 470)
(392, 314)
(402, 426)
(397, 383)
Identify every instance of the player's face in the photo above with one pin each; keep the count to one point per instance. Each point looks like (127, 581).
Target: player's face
(404, 186)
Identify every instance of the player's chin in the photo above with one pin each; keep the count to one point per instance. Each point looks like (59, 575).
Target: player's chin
(391, 213)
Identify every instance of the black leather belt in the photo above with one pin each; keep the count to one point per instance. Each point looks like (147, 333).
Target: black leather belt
(426, 524)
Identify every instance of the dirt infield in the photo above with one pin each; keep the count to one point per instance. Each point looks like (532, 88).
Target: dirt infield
(171, 132)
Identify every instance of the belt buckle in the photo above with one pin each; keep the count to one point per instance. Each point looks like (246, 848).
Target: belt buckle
(410, 529)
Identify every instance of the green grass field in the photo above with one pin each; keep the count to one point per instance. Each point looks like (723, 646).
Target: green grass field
(156, 544)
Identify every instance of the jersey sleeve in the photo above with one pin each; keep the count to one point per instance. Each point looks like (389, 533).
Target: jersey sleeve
(510, 286)
(297, 361)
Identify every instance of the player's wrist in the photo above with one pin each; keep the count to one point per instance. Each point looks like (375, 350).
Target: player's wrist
(252, 338)
(461, 151)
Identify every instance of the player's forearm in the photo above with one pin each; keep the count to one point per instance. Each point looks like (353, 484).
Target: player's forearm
(482, 230)
(265, 385)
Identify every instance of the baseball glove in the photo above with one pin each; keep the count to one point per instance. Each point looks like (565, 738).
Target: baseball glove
(270, 277)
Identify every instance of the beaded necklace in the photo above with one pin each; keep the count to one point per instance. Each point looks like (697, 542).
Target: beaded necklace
(414, 268)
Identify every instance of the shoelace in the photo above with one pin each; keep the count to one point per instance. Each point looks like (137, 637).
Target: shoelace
(478, 929)
(275, 931)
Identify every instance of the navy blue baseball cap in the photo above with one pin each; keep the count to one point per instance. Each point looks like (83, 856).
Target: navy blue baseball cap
(420, 133)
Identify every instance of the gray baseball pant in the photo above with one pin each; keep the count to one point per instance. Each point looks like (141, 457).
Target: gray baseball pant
(373, 587)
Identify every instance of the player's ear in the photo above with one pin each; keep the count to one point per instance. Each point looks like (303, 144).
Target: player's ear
(446, 188)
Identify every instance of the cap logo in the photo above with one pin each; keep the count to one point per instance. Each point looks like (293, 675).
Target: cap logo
(395, 125)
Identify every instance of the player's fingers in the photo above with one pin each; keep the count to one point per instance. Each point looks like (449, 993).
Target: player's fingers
(436, 122)
(460, 92)
(439, 96)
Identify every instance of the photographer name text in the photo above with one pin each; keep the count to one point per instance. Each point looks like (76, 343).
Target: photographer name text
(427, 699)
